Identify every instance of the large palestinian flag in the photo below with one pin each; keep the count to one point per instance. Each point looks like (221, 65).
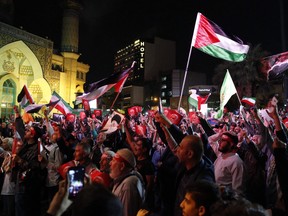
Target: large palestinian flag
(212, 40)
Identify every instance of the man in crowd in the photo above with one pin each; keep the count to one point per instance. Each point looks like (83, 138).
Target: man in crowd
(27, 169)
(128, 184)
(193, 165)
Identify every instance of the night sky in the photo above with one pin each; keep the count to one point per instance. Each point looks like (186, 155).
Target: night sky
(108, 25)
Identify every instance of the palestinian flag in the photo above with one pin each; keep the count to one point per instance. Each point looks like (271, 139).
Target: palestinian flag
(24, 98)
(249, 100)
(34, 108)
(274, 66)
(97, 89)
(197, 100)
(212, 40)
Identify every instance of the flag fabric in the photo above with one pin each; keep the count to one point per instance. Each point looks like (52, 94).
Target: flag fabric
(98, 113)
(111, 125)
(97, 89)
(140, 130)
(63, 169)
(173, 115)
(62, 105)
(134, 111)
(251, 101)
(70, 117)
(86, 107)
(197, 100)
(274, 66)
(119, 85)
(226, 92)
(24, 98)
(212, 40)
(34, 108)
(27, 117)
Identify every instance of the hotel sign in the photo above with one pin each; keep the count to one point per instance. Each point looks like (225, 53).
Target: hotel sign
(142, 51)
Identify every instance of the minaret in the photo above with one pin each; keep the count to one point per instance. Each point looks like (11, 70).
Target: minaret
(70, 26)
(6, 11)
(69, 48)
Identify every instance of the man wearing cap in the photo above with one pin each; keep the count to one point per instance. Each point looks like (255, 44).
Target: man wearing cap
(128, 184)
(229, 168)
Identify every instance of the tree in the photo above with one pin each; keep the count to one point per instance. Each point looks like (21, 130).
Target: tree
(248, 80)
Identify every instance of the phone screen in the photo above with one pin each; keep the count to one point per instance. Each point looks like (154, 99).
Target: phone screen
(75, 180)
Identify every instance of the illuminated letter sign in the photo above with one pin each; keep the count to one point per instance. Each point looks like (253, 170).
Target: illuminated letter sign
(142, 50)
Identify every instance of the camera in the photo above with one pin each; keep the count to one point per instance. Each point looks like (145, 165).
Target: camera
(75, 180)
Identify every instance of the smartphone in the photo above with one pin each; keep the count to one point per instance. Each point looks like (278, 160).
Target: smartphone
(75, 180)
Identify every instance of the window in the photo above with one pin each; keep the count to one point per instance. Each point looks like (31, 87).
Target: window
(164, 78)
(7, 100)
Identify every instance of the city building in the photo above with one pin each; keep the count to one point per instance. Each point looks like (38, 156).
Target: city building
(143, 84)
(172, 84)
(27, 59)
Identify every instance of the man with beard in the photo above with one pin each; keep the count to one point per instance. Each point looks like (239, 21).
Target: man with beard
(192, 164)
(229, 168)
(128, 184)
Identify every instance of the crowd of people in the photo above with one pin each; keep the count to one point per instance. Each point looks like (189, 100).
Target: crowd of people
(147, 164)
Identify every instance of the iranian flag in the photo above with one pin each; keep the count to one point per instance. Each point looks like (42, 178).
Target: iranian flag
(24, 98)
(227, 90)
(62, 105)
(212, 40)
(249, 100)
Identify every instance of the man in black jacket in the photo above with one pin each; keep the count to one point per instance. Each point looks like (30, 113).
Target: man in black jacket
(192, 164)
(28, 174)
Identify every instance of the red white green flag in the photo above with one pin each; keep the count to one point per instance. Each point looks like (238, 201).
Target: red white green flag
(62, 105)
(249, 100)
(212, 40)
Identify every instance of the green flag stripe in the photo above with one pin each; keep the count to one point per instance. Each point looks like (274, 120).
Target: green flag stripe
(218, 52)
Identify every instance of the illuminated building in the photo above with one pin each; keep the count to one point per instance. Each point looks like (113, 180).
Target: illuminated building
(171, 85)
(27, 59)
(151, 58)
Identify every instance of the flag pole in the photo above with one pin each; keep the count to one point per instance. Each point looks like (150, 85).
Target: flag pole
(132, 66)
(238, 98)
(114, 100)
(188, 60)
